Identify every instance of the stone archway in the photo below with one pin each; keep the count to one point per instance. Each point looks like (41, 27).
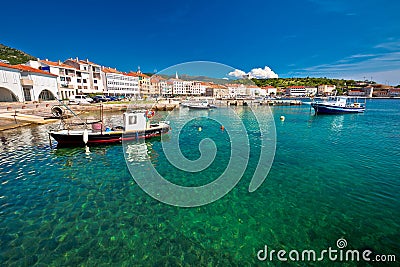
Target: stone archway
(46, 95)
(7, 95)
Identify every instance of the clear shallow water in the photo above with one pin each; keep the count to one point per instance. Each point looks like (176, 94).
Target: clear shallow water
(333, 177)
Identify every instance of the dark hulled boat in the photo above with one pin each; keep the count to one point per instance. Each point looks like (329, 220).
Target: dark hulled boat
(136, 126)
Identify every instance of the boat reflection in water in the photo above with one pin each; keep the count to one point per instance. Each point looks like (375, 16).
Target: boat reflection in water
(137, 151)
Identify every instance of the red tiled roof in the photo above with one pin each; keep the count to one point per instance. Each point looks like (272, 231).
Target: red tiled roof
(30, 69)
(135, 74)
(8, 66)
(26, 68)
(111, 70)
(296, 87)
(56, 64)
(87, 62)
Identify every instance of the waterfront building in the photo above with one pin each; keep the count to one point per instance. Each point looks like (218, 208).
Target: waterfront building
(89, 76)
(117, 83)
(269, 90)
(362, 92)
(159, 86)
(185, 88)
(217, 91)
(255, 91)
(237, 90)
(24, 83)
(355, 93)
(203, 87)
(10, 84)
(168, 90)
(144, 83)
(66, 76)
(381, 93)
(296, 91)
(325, 89)
(311, 91)
(220, 91)
(395, 92)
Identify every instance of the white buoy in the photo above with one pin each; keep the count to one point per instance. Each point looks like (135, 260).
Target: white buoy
(282, 118)
(85, 137)
(200, 129)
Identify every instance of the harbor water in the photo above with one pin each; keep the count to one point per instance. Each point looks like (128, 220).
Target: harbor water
(333, 177)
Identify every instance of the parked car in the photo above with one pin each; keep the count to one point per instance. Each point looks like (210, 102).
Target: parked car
(99, 98)
(80, 99)
(112, 98)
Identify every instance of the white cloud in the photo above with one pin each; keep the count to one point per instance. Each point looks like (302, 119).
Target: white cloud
(237, 73)
(258, 73)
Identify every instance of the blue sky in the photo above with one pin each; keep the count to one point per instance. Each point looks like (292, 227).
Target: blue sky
(295, 38)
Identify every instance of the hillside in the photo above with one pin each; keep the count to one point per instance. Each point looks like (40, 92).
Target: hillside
(312, 82)
(14, 56)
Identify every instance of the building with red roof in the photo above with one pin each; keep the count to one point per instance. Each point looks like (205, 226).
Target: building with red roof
(118, 83)
(89, 76)
(25, 83)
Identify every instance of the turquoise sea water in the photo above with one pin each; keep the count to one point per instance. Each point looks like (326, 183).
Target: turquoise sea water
(333, 177)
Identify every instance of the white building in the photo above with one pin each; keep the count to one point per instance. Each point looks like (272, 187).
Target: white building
(270, 90)
(167, 91)
(119, 83)
(38, 84)
(181, 87)
(24, 83)
(88, 76)
(237, 90)
(296, 91)
(255, 91)
(311, 91)
(67, 77)
(325, 89)
(10, 84)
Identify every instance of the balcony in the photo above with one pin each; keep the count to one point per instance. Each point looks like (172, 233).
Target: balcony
(26, 82)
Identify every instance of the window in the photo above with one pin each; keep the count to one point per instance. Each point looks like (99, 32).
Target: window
(95, 81)
(84, 81)
(132, 119)
(78, 80)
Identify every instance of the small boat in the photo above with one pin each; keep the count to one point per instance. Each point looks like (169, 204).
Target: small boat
(136, 126)
(338, 105)
(201, 105)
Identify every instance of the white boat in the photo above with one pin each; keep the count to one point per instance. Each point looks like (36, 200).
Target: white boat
(200, 105)
(338, 105)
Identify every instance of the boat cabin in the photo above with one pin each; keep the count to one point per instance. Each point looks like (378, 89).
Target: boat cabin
(135, 120)
(342, 101)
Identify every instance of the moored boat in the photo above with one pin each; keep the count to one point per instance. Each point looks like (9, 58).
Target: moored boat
(136, 126)
(201, 105)
(338, 105)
